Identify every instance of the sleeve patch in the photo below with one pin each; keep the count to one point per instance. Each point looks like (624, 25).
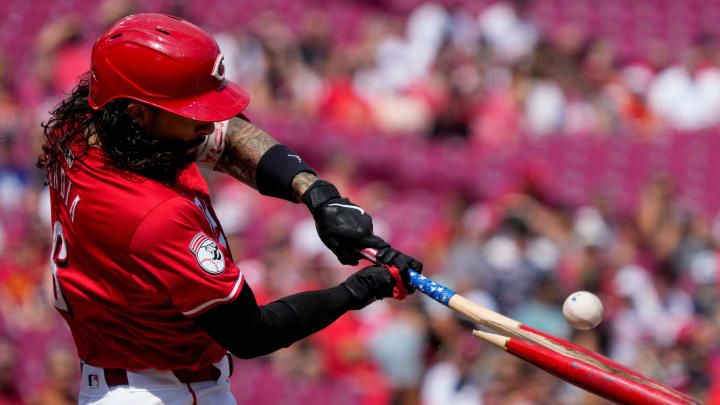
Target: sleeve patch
(207, 253)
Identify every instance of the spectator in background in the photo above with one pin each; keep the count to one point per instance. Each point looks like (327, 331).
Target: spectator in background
(9, 393)
(545, 101)
(456, 379)
(62, 54)
(315, 41)
(398, 348)
(340, 102)
(63, 51)
(61, 387)
(544, 310)
(591, 110)
(636, 79)
(688, 95)
(507, 27)
(12, 118)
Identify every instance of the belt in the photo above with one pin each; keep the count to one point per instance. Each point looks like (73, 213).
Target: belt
(118, 376)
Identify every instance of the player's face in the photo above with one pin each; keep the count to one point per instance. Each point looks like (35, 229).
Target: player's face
(167, 126)
(165, 145)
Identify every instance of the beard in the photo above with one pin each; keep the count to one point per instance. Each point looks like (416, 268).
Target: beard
(158, 159)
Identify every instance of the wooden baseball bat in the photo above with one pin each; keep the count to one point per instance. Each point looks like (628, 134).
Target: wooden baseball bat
(555, 355)
(588, 377)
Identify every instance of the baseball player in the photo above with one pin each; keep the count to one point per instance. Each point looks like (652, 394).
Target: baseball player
(141, 268)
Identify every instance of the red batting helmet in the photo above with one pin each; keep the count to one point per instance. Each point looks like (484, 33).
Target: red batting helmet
(166, 62)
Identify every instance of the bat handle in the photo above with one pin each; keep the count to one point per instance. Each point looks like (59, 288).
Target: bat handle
(434, 290)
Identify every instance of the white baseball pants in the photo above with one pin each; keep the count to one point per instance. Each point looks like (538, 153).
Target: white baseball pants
(155, 387)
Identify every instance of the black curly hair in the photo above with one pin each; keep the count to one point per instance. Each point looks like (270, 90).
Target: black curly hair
(124, 142)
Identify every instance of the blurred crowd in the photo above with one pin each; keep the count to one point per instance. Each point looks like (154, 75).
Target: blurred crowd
(487, 78)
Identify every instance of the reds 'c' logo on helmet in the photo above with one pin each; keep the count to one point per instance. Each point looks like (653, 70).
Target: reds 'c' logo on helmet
(219, 67)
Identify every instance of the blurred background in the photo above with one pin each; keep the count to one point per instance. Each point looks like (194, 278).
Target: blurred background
(522, 150)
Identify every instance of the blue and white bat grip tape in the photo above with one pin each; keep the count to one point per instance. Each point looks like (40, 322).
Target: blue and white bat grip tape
(436, 291)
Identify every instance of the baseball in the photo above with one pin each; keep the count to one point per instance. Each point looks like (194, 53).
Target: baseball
(583, 310)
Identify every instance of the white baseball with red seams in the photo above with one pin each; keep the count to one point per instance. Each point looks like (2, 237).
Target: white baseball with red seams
(583, 310)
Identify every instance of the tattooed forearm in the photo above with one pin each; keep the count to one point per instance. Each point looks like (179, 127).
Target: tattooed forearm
(246, 144)
(301, 183)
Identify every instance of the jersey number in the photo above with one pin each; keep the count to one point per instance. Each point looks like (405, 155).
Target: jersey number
(58, 260)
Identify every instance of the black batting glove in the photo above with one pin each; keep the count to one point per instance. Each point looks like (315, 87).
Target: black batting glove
(343, 226)
(403, 262)
(369, 284)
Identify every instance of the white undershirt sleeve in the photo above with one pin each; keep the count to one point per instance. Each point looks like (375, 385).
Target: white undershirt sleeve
(209, 152)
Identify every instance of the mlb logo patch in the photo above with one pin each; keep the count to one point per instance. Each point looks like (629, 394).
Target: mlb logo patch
(93, 381)
(208, 254)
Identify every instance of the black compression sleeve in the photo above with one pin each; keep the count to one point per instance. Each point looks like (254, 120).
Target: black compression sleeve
(248, 330)
(318, 309)
(276, 170)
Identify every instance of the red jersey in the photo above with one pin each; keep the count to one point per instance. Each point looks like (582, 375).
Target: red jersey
(133, 261)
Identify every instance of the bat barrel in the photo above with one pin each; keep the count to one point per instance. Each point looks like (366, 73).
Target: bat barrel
(607, 385)
(603, 359)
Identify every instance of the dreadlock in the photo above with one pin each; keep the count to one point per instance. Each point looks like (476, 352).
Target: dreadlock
(124, 142)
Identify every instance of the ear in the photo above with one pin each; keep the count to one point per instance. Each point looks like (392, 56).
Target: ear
(139, 113)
